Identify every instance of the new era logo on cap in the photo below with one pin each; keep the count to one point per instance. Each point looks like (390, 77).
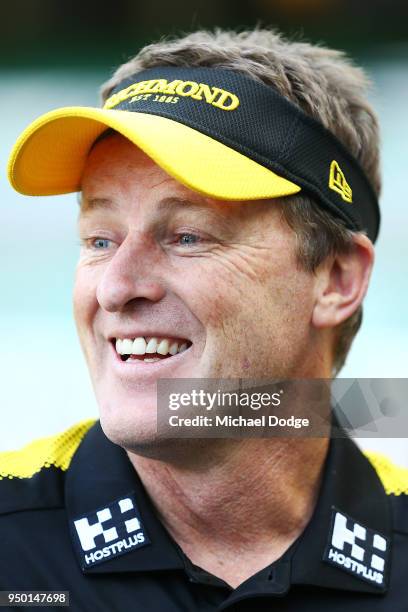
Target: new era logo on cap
(338, 183)
(109, 532)
(357, 549)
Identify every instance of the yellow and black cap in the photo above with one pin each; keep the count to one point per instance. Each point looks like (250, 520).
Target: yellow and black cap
(217, 131)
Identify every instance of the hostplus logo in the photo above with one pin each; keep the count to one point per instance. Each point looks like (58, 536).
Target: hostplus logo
(357, 549)
(109, 532)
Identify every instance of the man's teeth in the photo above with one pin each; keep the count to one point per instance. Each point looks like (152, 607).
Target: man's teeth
(151, 345)
(173, 348)
(139, 346)
(146, 346)
(163, 347)
(126, 348)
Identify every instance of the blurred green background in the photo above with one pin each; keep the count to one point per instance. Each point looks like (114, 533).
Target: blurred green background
(91, 33)
(55, 53)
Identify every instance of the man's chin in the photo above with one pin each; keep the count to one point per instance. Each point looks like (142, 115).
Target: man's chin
(128, 432)
(139, 437)
(123, 419)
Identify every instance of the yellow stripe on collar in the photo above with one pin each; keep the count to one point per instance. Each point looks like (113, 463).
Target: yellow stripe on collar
(393, 477)
(56, 450)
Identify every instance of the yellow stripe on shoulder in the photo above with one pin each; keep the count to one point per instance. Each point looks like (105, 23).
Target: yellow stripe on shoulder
(393, 477)
(56, 450)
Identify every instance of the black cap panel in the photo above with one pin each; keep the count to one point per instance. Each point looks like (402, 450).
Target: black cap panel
(257, 121)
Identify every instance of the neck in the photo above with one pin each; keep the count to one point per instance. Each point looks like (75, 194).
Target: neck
(250, 497)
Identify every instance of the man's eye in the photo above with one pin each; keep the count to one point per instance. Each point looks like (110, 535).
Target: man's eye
(187, 239)
(100, 243)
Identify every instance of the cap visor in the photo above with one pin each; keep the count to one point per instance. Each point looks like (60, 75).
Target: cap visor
(49, 156)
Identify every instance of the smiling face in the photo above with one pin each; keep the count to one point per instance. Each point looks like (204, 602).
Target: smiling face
(161, 261)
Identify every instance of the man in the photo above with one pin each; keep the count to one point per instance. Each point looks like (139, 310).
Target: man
(227, 218)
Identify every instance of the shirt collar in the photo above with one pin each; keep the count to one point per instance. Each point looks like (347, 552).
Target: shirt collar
(101, 472)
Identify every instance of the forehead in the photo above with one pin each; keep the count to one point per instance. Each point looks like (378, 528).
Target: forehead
(116, 171)
(118, 174)
(113, 156)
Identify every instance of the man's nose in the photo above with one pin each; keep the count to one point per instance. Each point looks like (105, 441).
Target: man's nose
(131, 274)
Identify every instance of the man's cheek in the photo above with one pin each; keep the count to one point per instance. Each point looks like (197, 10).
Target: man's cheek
(218, 302)
(84, 301)
(78, 300)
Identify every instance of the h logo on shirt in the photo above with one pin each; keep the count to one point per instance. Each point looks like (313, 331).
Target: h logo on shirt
(87, 532)
(357, 549)
(109, 531)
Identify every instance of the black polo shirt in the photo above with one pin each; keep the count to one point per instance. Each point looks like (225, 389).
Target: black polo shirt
(75, 517)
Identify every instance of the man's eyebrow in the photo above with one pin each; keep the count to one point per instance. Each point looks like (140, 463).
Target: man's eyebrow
(169, 203)
(208, 212)
(164, 207)
(173, 202)
(88, 204)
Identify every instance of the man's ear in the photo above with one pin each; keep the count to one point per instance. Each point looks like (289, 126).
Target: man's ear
(342, 282)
